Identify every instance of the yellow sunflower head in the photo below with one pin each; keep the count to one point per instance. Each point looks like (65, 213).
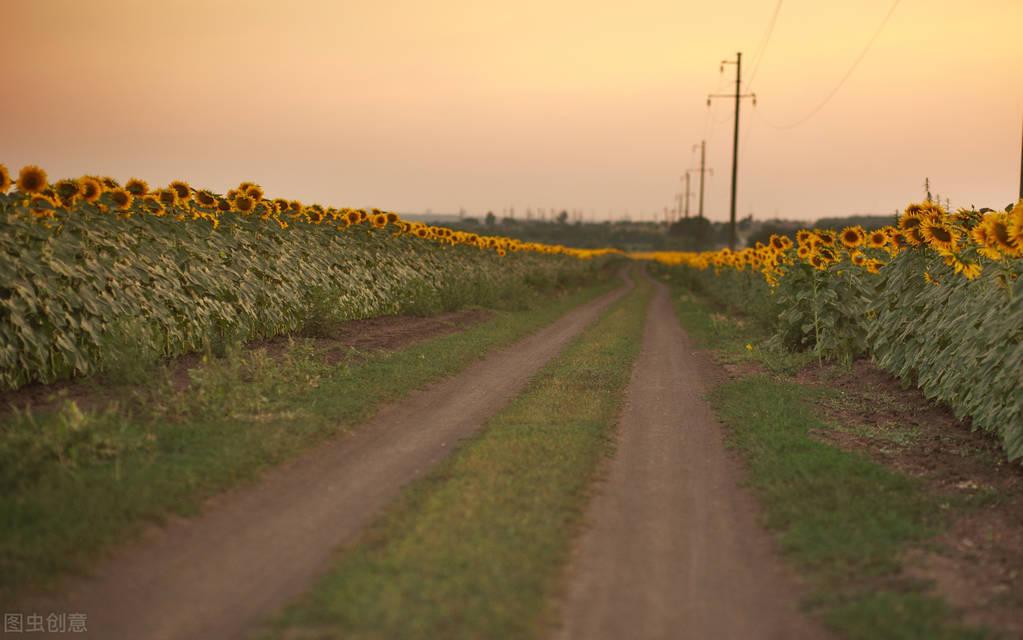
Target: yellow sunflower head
(168, 197)
(392, 218)
(137, 187)
(804, 251)
(826, 237)
(858, 258)
(205, 198)
(938, 235)
(121, 198)
(68, 191)
(254, 191)
(91, 188)
(183, 191)
(998, 235)
(804, 236)
(877, 239)
(379, 220)
(5, 179)
(224, 205)
(853, 237)
(42, 205)
(244, 204)
(32, 179)
(110, 183)
(1016, 224)
(874, 266)
(150, 203)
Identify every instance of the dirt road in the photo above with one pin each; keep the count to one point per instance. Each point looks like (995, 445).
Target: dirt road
(673, 548)
(252, 550)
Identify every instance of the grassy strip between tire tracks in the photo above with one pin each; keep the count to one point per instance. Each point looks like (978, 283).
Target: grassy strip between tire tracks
(477, 548)
(163, 450)
(840, 517)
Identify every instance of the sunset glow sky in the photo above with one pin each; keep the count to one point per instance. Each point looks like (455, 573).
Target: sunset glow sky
(556, 104)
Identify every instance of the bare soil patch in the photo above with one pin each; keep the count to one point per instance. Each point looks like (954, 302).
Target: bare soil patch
(976, 564)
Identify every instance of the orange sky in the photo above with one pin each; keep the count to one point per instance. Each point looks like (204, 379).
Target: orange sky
(574, 104)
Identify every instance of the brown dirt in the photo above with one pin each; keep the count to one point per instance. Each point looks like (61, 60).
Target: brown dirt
(339, 342)
(673, 546)
(252, 550)
(976, 564)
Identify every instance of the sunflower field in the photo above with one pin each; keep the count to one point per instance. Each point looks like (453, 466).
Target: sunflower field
(935, 299)
(91, 270)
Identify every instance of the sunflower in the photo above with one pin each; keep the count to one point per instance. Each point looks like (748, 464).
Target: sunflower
(254, 191)
(5, 179)
(183, 191)
(151, 204)
(818, 262)
(68, 191)
(91, 188)
(874, 266)
(43, 205)
(137, 187)
(1016, 224)
(281, 204)
(168, 197)
(121, 198)
(392, 218)
(223, 205)
(421, 232)
(910, 220)
(858, 258)
(295, 207)
(804, 252)
(998, 234)
(827, 254)
(244, 187)
(826, 237)
(205, 198)
(805, 236)
(110, 183)
(379, 220)
(32, 179)
(244, 204)
(315, 213)
(853, 237)
(877, 239)
(940, 236)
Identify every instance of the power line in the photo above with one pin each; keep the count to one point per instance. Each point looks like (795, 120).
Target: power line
(763, 44)
(847, 75)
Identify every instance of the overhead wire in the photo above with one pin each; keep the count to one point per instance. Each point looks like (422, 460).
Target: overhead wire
(845, 78)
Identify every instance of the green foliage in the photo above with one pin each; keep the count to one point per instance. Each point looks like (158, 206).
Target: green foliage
(89, 291)
(823, 311)
(960, 341)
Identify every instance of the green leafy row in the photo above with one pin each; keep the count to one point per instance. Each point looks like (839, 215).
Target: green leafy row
(959, 340)
(86, 287)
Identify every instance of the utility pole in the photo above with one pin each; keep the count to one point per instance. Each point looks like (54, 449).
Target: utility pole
(738, 96)
(687, 194)
(703, 169)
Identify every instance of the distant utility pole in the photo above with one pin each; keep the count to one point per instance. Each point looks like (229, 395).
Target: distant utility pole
(703, 169)
(688, 193)
(738, 96)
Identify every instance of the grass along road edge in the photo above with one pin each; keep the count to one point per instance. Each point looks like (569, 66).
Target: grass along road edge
(842, 519)
(166, 449)
(477, 548)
